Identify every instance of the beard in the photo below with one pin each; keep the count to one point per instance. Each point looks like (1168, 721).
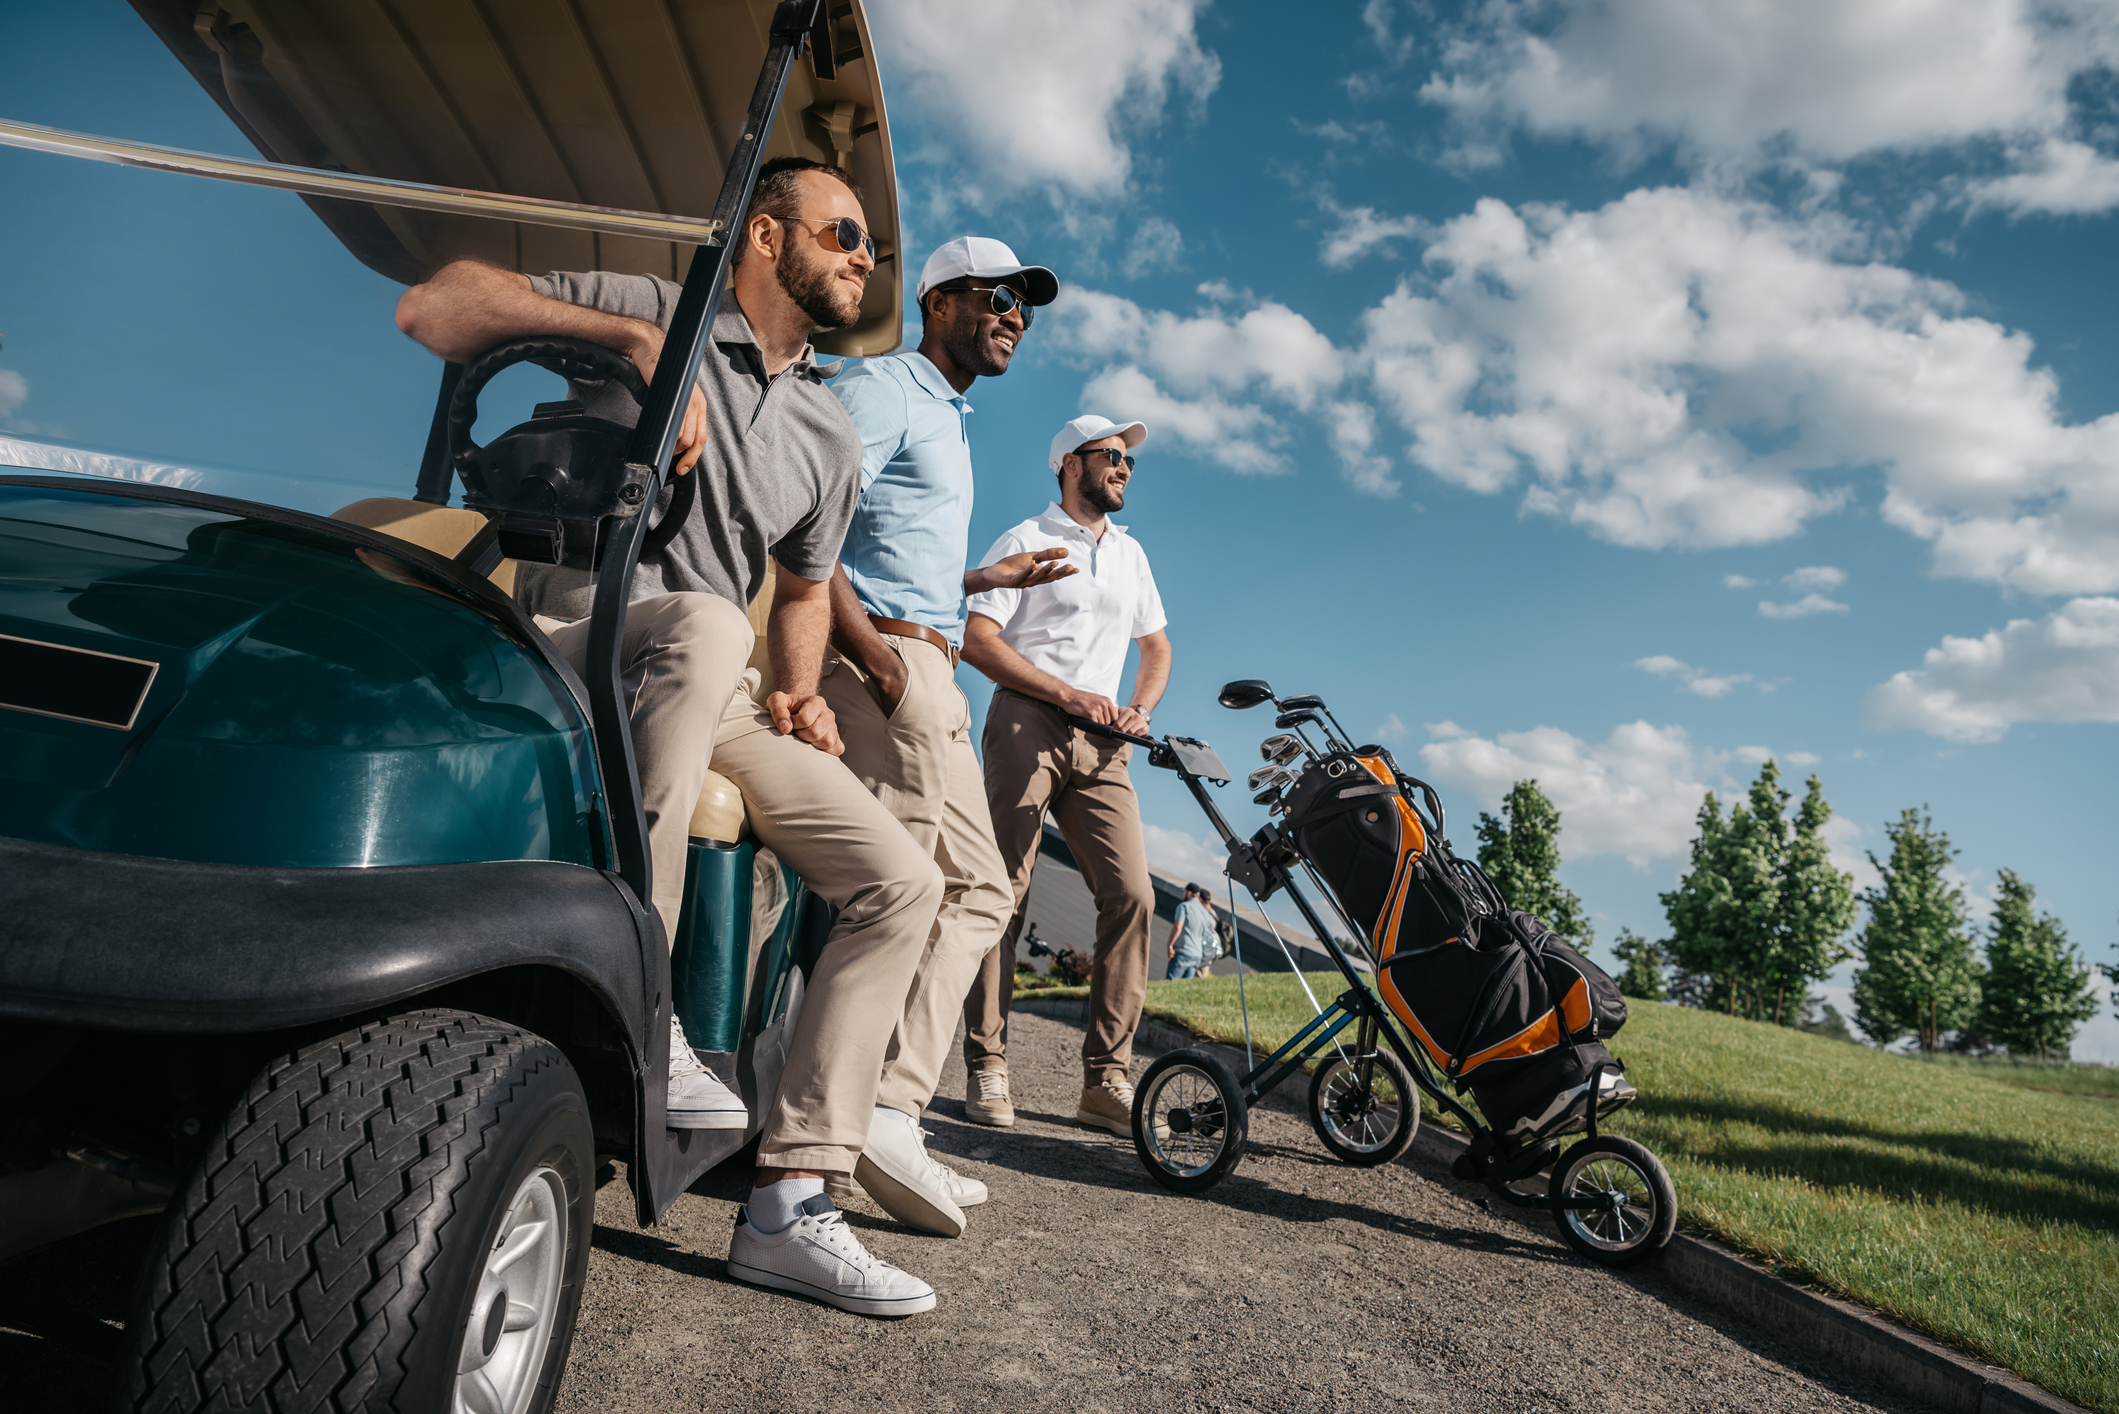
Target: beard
(1104, 496)
(975, 355)
(814, 286)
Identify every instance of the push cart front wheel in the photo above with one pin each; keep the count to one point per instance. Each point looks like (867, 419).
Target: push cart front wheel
(1189, 1121)
(1637, 1205)
(1364, 1107)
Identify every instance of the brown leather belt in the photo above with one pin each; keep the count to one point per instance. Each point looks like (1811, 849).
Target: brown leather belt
(905, 629)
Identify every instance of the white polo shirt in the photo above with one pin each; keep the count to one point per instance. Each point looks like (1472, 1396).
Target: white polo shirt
(1076, 628)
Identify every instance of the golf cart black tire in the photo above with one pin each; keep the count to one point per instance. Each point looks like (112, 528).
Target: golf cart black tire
(1408, 1112)
(1236, 1129)
(325, 1254)
(1662, 1194)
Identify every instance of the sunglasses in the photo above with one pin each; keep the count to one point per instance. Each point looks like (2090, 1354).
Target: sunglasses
(1113, 456)
(1005, 299)
(851, 236)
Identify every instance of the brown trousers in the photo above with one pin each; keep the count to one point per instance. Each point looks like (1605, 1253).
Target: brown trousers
(1036, 763)
(695, 705)
(918, 761)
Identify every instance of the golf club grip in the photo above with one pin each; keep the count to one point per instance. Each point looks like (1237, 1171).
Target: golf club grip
(1096, 728)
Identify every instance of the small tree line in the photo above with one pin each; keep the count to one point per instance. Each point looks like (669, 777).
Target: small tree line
(1762, 913)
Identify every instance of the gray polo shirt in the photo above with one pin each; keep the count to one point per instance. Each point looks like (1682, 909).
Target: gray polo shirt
(778, 479)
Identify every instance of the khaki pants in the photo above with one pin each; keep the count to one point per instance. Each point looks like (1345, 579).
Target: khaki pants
(918, 761)
(694, 706)
(1035, 762)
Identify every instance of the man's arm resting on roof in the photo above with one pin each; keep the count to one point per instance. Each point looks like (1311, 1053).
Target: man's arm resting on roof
(1153, 675)
(985, 650)
(799, 629)
(859, 640)
(468, 307)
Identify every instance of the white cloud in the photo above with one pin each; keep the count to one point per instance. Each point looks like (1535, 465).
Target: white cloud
(1738, 581)
(1351, 427)
(1267, 346)
(1050, 96)
(1697, 681)
(1815, 577)
(1633, 794)
(1680, 368)
(1362, 232)
(14, 391)
(1156, 245)
(1240, 436)
(1185, 854)
(1801, 760)
(1392, 729)
(2062, 668)
(1801, 608)
(1377, 17)
(1808, 80)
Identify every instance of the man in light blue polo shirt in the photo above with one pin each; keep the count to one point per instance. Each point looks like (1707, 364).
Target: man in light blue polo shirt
(898, 621)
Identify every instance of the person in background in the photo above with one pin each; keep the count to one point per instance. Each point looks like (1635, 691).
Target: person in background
(1059, 652)
(898, 616)
(1192, 935)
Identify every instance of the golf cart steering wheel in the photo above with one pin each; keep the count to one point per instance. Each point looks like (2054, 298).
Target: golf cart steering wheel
(550, 482)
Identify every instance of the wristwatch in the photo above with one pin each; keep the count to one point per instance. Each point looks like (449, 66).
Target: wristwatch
(1146, 715)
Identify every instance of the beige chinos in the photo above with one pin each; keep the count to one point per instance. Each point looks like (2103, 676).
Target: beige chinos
(1036, 763)
(695, 706)
(919, 763)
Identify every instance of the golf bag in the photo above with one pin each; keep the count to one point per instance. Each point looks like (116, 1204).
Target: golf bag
(1499, 1002)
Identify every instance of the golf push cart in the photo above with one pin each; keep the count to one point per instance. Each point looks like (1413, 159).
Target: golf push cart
(325, 879)
(1463, 994)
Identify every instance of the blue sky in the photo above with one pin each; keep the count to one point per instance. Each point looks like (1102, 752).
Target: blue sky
(1606, 394)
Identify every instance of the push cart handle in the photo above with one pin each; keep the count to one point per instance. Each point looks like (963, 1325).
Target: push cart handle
(1096, 728)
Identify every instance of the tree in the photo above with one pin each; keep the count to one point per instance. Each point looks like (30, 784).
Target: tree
(2037, 992)
(1762, 913)
(1521, 853)
(1918, 970)
(1643, 974)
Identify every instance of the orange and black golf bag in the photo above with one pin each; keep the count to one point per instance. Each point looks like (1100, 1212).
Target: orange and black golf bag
(1499, 1002)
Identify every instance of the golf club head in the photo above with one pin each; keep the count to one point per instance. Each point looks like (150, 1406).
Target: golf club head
(1301, 701)
(1280, 749)
(1295, 719)
(1245, 693)
(1267, 797)
(1262, 775)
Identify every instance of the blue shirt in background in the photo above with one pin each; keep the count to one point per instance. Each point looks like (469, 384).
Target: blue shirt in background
(904, 552)
(1198, 936)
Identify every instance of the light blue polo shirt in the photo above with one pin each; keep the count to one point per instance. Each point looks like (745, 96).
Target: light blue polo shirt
(904, 552)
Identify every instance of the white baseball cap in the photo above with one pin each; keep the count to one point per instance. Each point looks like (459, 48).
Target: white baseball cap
(982, 258)
(1090, 428)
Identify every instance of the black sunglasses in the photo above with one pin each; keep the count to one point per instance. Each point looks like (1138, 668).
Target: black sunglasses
(851, 236)
(1114, 455)
(1005, 298)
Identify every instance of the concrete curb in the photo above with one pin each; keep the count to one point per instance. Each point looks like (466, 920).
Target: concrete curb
(1876, 1347)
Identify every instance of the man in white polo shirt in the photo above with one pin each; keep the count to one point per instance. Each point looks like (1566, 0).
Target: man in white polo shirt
(1058, 651)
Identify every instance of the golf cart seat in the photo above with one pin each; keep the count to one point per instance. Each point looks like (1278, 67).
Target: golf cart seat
(442, 529)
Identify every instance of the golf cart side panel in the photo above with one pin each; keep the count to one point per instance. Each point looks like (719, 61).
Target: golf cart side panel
(309, 697)
(127, 944)
(520, 99)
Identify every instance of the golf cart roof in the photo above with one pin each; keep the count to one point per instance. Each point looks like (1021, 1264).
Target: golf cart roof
(627, 104)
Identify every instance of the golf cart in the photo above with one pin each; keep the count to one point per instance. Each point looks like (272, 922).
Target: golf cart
(325, 879)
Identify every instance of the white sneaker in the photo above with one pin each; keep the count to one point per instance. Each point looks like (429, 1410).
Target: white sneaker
(697, 1098)
(818, 1256)
(896, 1172)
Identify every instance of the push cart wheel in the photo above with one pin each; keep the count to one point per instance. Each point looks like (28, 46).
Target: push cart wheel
(1189, 1121)
(1641, 1208)
(398, 1217)
(1364, 1107)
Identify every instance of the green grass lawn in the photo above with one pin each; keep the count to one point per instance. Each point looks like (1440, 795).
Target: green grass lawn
(1970, 1200)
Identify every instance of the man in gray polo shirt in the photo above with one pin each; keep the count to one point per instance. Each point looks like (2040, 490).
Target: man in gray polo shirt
(779, 467)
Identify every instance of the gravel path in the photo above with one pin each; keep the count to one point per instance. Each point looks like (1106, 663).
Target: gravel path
(1297, 1284)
